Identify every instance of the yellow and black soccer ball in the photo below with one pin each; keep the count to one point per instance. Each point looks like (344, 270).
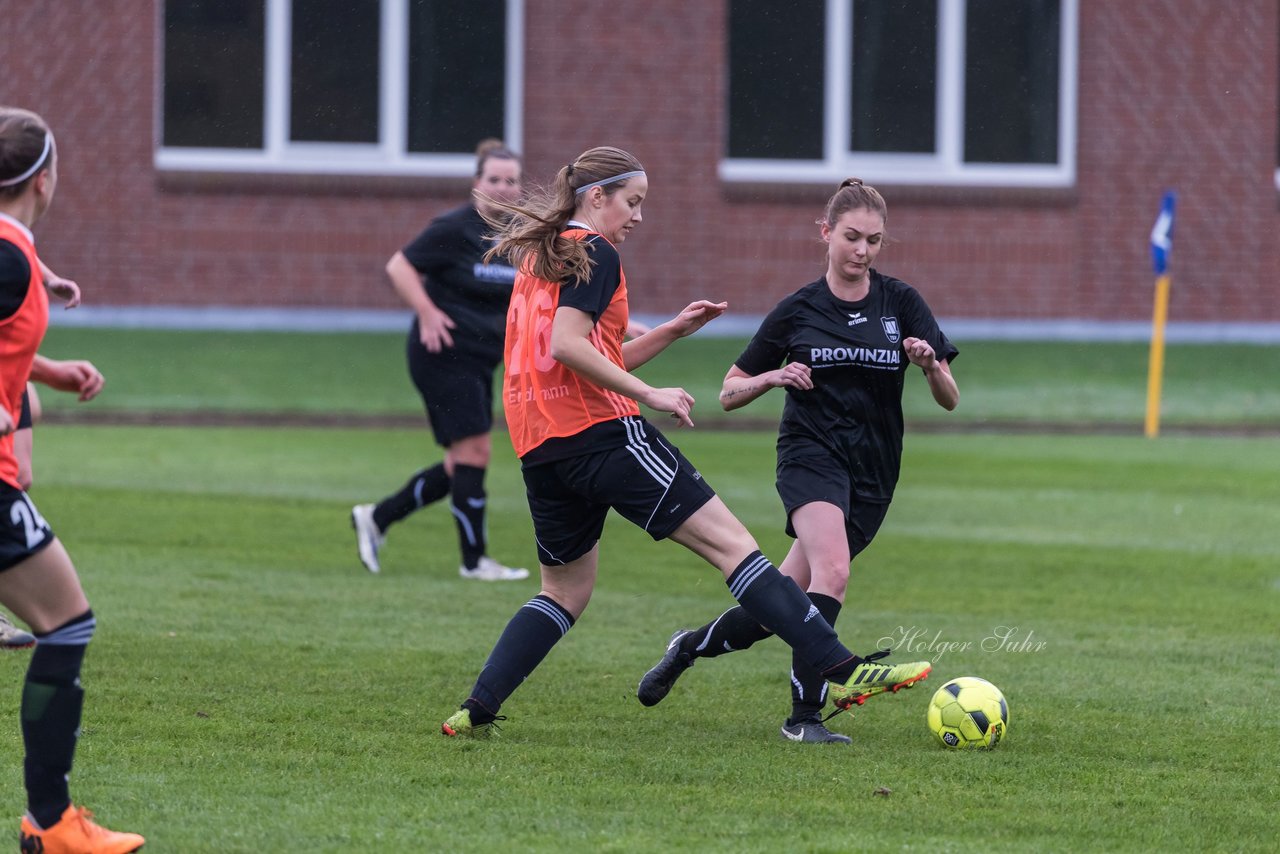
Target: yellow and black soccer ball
(968, 712)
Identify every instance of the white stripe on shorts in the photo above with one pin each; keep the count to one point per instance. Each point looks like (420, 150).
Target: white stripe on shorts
(639, 446)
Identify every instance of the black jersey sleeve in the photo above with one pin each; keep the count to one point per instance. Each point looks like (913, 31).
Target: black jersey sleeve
(593, 296)
(15, 278)
(918, 322)
(436, 247)
(771, 343)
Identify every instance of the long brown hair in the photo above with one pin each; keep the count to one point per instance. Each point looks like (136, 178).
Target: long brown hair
(22, 144)
(532, 233)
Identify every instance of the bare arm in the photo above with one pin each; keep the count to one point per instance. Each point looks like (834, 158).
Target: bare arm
(696, 315)
(433, 324)
(740, 388)
(73, 375)
(571, 347)
(941, 384)
(64, 289)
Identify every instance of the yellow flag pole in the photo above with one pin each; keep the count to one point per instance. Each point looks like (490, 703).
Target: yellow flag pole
(1155, 372)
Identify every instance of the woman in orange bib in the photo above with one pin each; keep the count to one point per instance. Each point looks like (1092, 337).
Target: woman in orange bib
(571, 406)
(37, 579)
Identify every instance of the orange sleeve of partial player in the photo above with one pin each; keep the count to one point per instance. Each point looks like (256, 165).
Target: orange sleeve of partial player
(20, 337)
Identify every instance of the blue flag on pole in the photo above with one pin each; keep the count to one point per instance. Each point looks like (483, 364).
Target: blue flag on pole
(1162, 233)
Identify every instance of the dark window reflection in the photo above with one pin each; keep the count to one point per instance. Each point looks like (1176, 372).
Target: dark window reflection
(457, 66)
(894, 76)
(213, 73)
(1011, 81)
(334, 71)
(776, 79)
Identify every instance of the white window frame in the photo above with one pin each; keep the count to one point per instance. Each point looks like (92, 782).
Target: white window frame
(945, 165)
(389, 155)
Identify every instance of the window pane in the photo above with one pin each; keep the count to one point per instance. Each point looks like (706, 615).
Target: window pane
(776, 78)
(334, 72)
(1011, 81)
(457, 66)
(213, 67)
(895, 72)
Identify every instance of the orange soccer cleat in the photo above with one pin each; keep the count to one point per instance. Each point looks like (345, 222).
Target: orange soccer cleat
(75, 833)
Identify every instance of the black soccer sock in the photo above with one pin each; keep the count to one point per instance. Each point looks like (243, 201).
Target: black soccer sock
(428, 485)
(51, 704)
(808, 687)
(733, 630)
(525, 641)
(775, 601)
(467, 503)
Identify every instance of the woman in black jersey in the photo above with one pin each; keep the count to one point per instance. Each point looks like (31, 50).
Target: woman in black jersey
(844, 344)
(455, 343)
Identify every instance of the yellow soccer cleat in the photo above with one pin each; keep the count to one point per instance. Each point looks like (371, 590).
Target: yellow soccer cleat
(871, 677)
(459, 725)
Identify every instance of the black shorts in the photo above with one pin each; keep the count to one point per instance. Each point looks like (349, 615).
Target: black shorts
(820, 476)
(457, 391)
(24, 419)
(648, 481)
(23, 531)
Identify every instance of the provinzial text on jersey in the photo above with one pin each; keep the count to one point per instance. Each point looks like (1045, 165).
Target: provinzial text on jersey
(820, 357)
(497, 273)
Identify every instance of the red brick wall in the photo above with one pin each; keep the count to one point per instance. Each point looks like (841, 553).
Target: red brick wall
(1172, 93)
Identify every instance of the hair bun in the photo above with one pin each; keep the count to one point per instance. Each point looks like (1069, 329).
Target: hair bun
(490, 145)
(850, 182)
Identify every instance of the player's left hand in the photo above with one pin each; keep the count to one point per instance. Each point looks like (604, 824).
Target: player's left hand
(676, 401)
(65, 290)
(695, 316)
(920, 352)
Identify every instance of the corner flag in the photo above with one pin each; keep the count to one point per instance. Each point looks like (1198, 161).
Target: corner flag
(1161, 246)
(1162, 234)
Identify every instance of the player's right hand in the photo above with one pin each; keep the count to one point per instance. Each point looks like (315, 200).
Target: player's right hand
(6, 422)
(433, 331)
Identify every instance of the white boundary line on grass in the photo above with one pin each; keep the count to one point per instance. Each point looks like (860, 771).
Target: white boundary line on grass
(235, 319)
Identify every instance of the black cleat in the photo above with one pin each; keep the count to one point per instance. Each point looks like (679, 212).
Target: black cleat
(656, 684)
(812, 730)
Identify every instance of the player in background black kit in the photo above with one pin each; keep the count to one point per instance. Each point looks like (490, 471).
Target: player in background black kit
(844, 343)
(454, 346)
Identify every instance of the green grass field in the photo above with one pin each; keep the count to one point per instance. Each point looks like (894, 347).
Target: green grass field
(251, 688)
(1001, 383)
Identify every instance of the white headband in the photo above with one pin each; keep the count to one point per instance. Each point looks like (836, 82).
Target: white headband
(624, 176)
(35, 167)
